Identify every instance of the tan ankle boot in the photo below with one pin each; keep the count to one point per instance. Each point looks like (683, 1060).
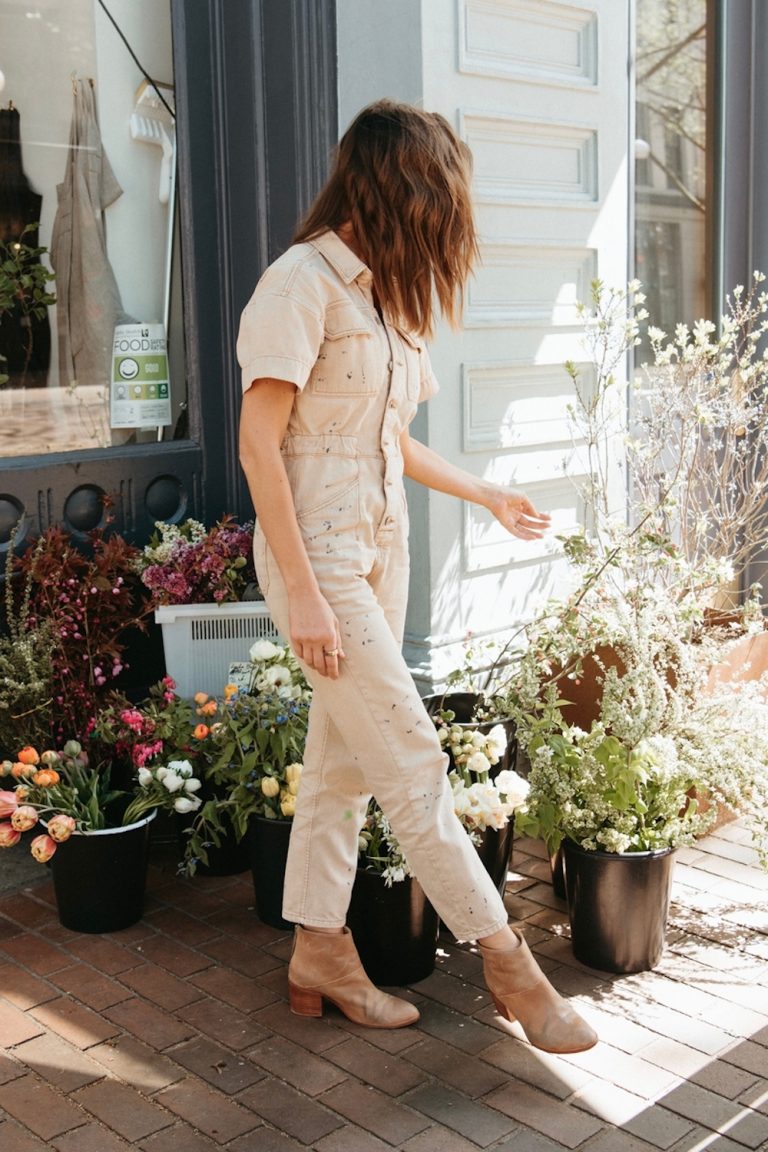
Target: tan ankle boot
(326, 965)
(522, 992)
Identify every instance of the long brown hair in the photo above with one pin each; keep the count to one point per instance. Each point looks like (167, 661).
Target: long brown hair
(401, 178)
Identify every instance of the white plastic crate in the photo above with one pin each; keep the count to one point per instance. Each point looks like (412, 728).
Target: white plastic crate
(202, 640)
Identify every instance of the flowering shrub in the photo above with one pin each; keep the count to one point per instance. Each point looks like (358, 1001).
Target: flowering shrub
(189, 564)
(82, 607)
(67, 795)
(620, 778)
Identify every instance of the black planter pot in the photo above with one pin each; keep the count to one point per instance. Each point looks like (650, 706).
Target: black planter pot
(618, 905)
(495, 850)
(266, 843)
(99, 878)
(394, 928)
(558, 874)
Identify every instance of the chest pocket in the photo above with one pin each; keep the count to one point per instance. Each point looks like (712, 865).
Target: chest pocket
(414, 350)
(350, 361)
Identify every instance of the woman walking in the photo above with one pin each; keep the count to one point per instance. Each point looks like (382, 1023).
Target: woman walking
(333, 361)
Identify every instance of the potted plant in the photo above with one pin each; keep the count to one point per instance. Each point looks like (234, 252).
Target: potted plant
(394, 926)
(253, 747)
(206, 598)
(613, 692)
(95, 835)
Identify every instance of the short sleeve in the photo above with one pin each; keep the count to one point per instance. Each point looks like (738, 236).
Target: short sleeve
(279, 337)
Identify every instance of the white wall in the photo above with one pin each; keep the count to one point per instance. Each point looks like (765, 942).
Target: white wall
(379, 53)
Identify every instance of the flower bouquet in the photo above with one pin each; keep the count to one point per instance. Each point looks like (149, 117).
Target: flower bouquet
(191, 564)
(253, 745)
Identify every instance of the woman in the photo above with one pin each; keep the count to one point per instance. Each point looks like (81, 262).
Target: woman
(334, 364)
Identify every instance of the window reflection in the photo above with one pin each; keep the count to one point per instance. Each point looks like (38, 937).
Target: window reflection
(670, 196)
(87, 193)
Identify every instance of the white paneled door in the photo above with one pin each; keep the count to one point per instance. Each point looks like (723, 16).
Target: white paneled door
(540, 91)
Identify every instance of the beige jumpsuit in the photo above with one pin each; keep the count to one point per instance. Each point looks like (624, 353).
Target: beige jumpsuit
(312, 321)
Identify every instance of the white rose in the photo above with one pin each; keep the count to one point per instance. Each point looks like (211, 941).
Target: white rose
(514, 787)
(264, 650)
(478, 762)
(497, 740)
(278, 676)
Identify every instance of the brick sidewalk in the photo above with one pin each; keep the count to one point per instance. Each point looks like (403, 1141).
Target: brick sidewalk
(175, 1035)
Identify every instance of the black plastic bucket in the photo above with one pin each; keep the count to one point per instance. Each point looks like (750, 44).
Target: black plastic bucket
(617, 905)
(99, 877)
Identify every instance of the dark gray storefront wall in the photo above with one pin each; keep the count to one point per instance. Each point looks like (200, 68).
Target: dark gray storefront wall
(256, 101)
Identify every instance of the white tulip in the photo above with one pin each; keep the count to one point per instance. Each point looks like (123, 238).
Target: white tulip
(186, 804)
(145, 777)
(180, 767)
(172, 782)
(193, 785)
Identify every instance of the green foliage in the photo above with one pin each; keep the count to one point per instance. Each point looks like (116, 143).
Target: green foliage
(24, 283)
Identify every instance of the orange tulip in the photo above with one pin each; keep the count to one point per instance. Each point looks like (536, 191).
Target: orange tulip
(45, 778)
(24, 818)
(201, 731)
(209, 709)
(29, 755)
(8, 835)
(9, 802)
(200, 697)
(42, 848)
(60, 827)
(19, 769)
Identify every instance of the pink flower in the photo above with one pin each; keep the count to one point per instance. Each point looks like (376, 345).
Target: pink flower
(42, 848)
(24, 818)
(8, 835)
(8, 803)
(60, 827)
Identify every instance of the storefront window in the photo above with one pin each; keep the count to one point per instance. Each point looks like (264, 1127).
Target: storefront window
(93, 356)
(671, 186)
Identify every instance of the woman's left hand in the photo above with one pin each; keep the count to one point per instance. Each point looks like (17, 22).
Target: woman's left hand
(515, 511)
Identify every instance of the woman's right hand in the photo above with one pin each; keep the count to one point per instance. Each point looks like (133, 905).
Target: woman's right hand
(315, 635)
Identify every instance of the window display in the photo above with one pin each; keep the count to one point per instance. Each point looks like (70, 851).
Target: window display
(91, 342)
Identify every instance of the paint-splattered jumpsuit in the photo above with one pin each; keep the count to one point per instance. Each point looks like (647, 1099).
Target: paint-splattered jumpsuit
(312, 321)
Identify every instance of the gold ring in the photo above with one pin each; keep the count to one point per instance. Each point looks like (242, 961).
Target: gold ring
(333, 652)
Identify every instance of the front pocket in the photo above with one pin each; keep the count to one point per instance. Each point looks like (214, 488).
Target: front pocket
(347, 363)
(323, 484)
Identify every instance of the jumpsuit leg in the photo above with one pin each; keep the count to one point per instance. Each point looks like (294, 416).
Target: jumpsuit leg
(392, 752)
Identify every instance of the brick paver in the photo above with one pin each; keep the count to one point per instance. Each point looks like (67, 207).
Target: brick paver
(176, 1033)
